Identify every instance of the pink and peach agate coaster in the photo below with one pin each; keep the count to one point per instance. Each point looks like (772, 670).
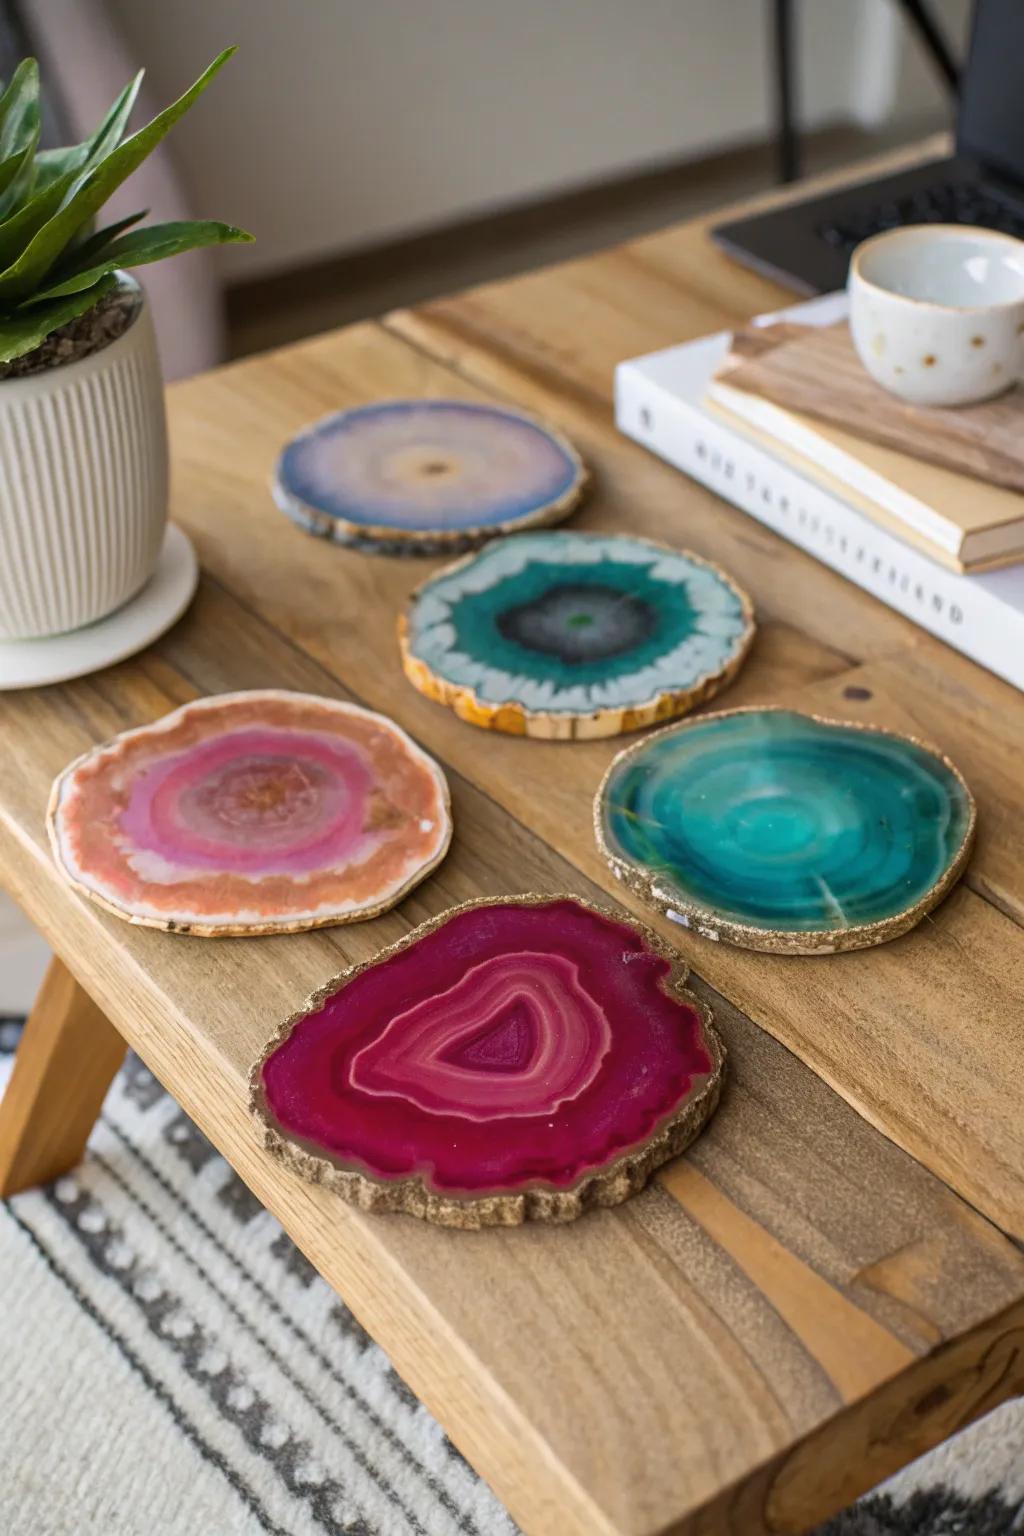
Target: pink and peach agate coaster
(515, 1058)
(248, 813)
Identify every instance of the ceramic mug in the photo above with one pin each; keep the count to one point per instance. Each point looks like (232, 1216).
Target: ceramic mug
(937, 312)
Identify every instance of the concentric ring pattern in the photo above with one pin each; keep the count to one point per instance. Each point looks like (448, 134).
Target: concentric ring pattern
(252, 812)
(779, 830)
(516, 1057)
(565, 634)
(426, 470)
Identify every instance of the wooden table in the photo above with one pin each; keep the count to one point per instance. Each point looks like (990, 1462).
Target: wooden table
(828, 1283)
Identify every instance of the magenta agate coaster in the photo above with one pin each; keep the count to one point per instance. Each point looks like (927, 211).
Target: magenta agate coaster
(245, 813)
(522, 1057)
(426, 476)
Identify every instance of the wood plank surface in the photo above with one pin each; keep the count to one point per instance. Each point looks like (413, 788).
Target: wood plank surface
(798, 1306)
(894, 1029)
(654, 1368)
(634, 489)
(568, 325)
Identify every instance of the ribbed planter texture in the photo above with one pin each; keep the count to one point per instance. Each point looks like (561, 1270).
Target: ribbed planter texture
(83, 485)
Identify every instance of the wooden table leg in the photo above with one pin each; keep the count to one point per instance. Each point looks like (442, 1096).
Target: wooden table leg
(66, 1061)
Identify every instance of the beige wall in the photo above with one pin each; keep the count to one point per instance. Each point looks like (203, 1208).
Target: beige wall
(343, 123)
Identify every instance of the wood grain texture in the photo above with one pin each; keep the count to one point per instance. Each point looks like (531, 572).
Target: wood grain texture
(816, 372)
(836, 1012)
(569, 325)
(66, 1061)
(637, 491)
(773, 1283)
(808, 1306)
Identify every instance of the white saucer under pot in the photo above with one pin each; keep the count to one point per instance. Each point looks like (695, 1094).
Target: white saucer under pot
(58, 658)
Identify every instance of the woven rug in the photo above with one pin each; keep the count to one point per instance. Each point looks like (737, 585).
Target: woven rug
(172, 1365)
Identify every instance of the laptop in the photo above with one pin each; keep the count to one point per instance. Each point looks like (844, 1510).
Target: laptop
(807, 245)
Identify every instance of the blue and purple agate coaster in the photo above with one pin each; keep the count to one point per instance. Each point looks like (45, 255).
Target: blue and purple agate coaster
(426, 476)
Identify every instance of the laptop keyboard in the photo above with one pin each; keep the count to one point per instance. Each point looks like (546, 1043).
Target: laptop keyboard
(944, 203)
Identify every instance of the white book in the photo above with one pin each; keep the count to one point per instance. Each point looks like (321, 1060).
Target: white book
(659, 401)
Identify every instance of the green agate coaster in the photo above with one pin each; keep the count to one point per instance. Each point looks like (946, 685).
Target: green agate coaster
(781, 831)
(575, 635)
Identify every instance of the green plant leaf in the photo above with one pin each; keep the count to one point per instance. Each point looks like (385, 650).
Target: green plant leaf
(57, 173)
(98, 181)
(26, 329)
(16, 104)
(112, 126)
(19, 122)
(54, 163)
(12, 164)
(76, 256)
(140, 247)
(106, 138)
(19, 136)
(21, 187)
(57, 163)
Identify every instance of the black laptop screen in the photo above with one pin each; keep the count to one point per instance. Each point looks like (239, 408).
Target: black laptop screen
(990, 125)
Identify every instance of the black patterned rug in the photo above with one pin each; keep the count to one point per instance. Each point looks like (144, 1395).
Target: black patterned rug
(172, 1366)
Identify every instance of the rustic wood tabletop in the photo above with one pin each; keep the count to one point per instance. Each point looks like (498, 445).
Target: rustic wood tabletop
(829, 1281)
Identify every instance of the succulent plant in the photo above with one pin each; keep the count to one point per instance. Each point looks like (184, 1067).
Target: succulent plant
(54, 265)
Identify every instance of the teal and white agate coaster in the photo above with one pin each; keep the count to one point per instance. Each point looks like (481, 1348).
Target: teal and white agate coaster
(575, 635)
(781, 831)
(426, 476)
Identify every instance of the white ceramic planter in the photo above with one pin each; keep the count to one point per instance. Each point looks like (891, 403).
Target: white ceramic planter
(83, 486)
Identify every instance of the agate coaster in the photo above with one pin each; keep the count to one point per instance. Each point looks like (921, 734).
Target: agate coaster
(515, 1058)
(427, 476)
(575, 635)
(246, 813)
(782, 831)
